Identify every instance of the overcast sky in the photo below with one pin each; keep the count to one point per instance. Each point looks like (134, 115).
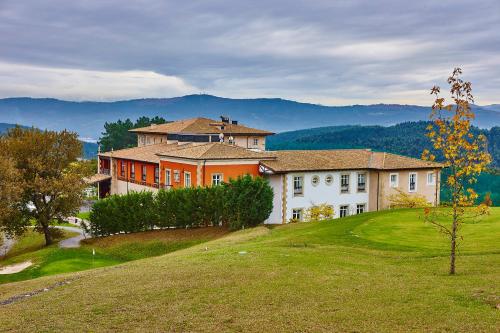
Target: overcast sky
(334, 52)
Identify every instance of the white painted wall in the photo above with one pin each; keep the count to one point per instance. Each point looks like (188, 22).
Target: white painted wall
(276, 182)
(121, 187)
(322, 193)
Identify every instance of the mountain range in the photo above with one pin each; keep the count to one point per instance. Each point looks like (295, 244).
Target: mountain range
(274, 114)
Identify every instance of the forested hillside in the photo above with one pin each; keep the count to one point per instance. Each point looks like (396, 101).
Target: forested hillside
(406, 139)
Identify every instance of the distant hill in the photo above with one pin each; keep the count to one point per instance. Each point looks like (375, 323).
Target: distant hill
(89, 148)
(406, 139)
(278, 115)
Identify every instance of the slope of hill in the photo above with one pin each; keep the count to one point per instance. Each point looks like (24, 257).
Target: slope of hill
(374, 272)
(87, 118)
(89, 148)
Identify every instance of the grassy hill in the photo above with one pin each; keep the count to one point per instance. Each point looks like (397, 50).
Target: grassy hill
(383, 272)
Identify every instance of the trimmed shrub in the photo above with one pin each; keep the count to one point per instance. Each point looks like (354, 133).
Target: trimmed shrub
(243, 202)
(319, 212)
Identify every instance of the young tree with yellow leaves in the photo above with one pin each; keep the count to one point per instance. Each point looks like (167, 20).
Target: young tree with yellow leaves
(465, 155)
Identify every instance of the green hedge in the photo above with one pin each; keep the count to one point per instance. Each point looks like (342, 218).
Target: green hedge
(243, 202)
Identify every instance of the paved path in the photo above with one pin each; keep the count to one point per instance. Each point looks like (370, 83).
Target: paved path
(73, 241)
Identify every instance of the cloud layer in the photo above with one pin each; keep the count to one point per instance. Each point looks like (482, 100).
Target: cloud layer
(331, 52)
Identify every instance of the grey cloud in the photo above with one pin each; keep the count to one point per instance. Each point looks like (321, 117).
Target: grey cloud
(348, 51)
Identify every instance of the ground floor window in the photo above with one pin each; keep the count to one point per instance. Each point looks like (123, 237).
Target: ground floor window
(344, 210)
(157, 175)
(297, 214)
(177, 176)
(216, 179)
(143, 173)
(187, 179)
(360, 208)
(168, 180)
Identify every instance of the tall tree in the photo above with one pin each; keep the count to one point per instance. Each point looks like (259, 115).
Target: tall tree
(116, 135)
(465, 155)
(48, 176)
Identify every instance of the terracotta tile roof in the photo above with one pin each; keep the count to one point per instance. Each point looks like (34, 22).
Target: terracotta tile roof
(215, 151)
(144, 153)
(199, 126)
(342, 159)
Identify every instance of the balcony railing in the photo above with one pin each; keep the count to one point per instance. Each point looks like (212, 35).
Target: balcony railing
(105, 171)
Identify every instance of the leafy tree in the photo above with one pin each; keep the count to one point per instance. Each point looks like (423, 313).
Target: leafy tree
(116, 135)
(465, 155)
(404, 200)
(10, 194)
(48, 177)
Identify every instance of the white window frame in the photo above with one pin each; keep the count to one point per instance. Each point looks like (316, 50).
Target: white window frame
(132, 170)
(357, 208)
(168, 177)
(409, 182)
(397, 180)
(177, 176)
(218, 181)
(299, 212)
(346, 210)
(357, 182)
(348, 183)
(331, 179)
(433, 174)
(144, 173)
(315, 177)
(295, 193)
(256, 142)
(187, 176)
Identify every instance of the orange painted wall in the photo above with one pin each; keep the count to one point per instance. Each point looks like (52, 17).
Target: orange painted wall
(182, 168)
(230, 171)
(150, 171)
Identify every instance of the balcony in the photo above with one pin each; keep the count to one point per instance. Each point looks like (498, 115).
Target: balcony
(105, 171)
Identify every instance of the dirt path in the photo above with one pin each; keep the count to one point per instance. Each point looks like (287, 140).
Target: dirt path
(72, 242)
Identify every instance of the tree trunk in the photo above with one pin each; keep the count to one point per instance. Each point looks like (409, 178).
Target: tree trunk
(453, 246)
(46, 231)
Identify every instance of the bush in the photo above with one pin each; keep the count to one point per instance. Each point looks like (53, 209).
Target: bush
(243, 202)
(405, 200)
(123, 213)
(319, 212)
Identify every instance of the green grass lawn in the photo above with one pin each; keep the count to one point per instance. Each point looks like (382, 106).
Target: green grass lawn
(376, 272)
(108, 251)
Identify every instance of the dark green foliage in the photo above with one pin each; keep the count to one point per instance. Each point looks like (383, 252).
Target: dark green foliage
(116, 135)
(248, 202)
(243, 202)
(123, 213)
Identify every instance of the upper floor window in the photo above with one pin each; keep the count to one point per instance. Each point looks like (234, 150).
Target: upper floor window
(315, 180)
(393, 180)
(122, 169)
(143, 173)
(431, 178)
(298, 185)
(412, 182)
(216, 179)
(329, 180)
(344, 184)
(143, 139)
(157, 175)
(361, 182)
(187, 179)
(344, 210)
(132, 170)
(255, 141)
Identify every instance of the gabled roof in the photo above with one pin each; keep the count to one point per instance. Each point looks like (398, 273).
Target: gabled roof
(215, 151)
(199, 126)
(342, 159)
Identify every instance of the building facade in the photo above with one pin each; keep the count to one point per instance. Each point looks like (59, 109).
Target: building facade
(352, 181)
